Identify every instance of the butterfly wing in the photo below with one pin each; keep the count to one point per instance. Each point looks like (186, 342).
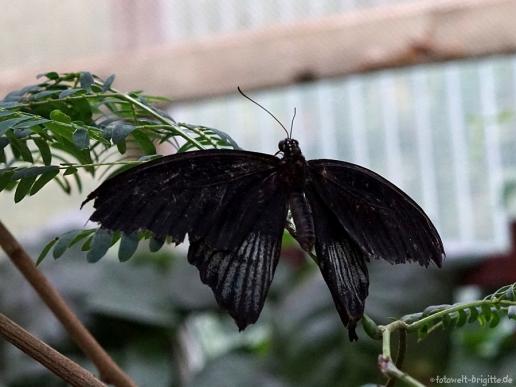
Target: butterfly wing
(380, 219)
(206, 194)
(341, 261)
(240, 276)
(230, 204)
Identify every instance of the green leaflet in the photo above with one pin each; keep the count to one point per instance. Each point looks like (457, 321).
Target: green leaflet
(81, 138)
(45, 251)
(128, 246)
(64, 242)
(23, 188)
(45, 178)
(100, 244)
(44, 150)
(144, 142)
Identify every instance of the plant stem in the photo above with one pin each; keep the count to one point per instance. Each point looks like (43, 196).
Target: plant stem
(128, 162)
(69, 98)
(152, 112)
(385, 363)
(417, 324)
(54, 361)
(108, 369)
(402, 347)
(117, 94)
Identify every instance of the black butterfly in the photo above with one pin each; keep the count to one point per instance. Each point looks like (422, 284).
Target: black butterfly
(233, 205)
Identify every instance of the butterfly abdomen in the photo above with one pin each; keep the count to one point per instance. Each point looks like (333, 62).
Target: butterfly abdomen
(302, 216)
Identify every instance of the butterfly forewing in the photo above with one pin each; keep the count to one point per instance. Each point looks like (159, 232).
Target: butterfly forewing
(204, 194)
(380, 218)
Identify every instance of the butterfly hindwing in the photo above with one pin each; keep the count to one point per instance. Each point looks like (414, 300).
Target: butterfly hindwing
(240, 275)
(381, 219)
(342, 263)
(208, 194)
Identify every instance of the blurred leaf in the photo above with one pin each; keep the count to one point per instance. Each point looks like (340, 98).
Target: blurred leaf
(45, 251)
(100, 244)
(473, 315)
(81, 138)
(23, 188)
(11, 123)
(44, 94)
(422, 332)
(20, 146)
(120, 132)
(144, 142)
(108, 82)
(31, 123)
(462, 317)
(447, 320)
(50, 75)
(5, 178)
(495, 320)
(60, 129)
(33, 171)
(3, 142)
(69, 92)
(64, 242)
(486, 311)
(434, 309)
(128, 246)
(44, 150)
(86, 80)
(59, 116)
(155, 244)
(83, 156)
(70, 171)
(45, 178)
(83, 234)
(81, 111)
(5, 113)
(511, 312)
(371, 328)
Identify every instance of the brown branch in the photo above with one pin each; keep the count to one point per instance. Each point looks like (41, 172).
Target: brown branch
(60, 365)
(108, 369)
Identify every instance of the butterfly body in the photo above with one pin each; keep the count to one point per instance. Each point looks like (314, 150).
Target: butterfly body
(233, 206)
(293, 173)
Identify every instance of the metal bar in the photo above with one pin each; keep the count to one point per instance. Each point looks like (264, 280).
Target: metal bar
(326, 123)
(492, 144)
(390, 127)
(460, 159)
(425, 147)
(356, 116)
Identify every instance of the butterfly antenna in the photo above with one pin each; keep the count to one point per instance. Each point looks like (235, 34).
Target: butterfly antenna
(263, 107)
(292, 123)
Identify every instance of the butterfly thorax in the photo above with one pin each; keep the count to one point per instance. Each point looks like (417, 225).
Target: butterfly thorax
(293, 173)
(293, 165)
